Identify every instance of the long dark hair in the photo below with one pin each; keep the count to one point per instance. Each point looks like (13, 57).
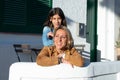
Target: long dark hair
(53, 12)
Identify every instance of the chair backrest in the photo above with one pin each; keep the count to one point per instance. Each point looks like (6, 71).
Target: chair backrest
(22, 48)
(36, 50)
(80, 47)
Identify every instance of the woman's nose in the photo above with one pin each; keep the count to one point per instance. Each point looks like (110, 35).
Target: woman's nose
(57, 20)
(60, 38)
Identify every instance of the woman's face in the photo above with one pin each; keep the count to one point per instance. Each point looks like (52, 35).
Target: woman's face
(60, 39)
(56, 20)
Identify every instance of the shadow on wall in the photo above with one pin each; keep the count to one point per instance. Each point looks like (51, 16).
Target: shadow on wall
(116, 3)
(69, 21)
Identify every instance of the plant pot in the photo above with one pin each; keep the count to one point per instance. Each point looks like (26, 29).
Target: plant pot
(118, 53)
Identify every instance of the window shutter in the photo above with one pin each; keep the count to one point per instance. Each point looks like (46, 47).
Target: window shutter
(14, 12)
(25, 16)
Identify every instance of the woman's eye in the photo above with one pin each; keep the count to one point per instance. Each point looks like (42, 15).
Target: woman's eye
(63, 37)
(54, 18)
(59, 18)
(56, 36)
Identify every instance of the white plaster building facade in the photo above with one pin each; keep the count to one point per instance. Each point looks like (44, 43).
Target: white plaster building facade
(75, 12)
(107, 26)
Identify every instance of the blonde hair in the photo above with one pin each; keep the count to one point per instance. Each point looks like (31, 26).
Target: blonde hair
(70, 42)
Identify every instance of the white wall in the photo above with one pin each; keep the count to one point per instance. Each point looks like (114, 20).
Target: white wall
(75, 12)
(105, 28)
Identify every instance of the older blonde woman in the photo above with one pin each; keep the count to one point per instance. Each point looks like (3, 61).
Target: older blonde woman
(63, 50)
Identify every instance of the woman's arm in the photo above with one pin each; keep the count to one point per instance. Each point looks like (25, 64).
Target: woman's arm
(45, 38)
(45, 58)
(75, 58)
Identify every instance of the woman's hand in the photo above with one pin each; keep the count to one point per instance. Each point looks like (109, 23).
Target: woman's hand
(63, 59)
(67, 62)
(50, 35)
(61, 55)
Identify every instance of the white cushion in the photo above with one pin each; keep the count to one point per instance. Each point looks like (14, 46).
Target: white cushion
(32, 71)
(27, 69)
(102, 68)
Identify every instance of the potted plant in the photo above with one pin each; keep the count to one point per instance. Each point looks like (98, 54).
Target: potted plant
(118, 49)
(118, 46)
